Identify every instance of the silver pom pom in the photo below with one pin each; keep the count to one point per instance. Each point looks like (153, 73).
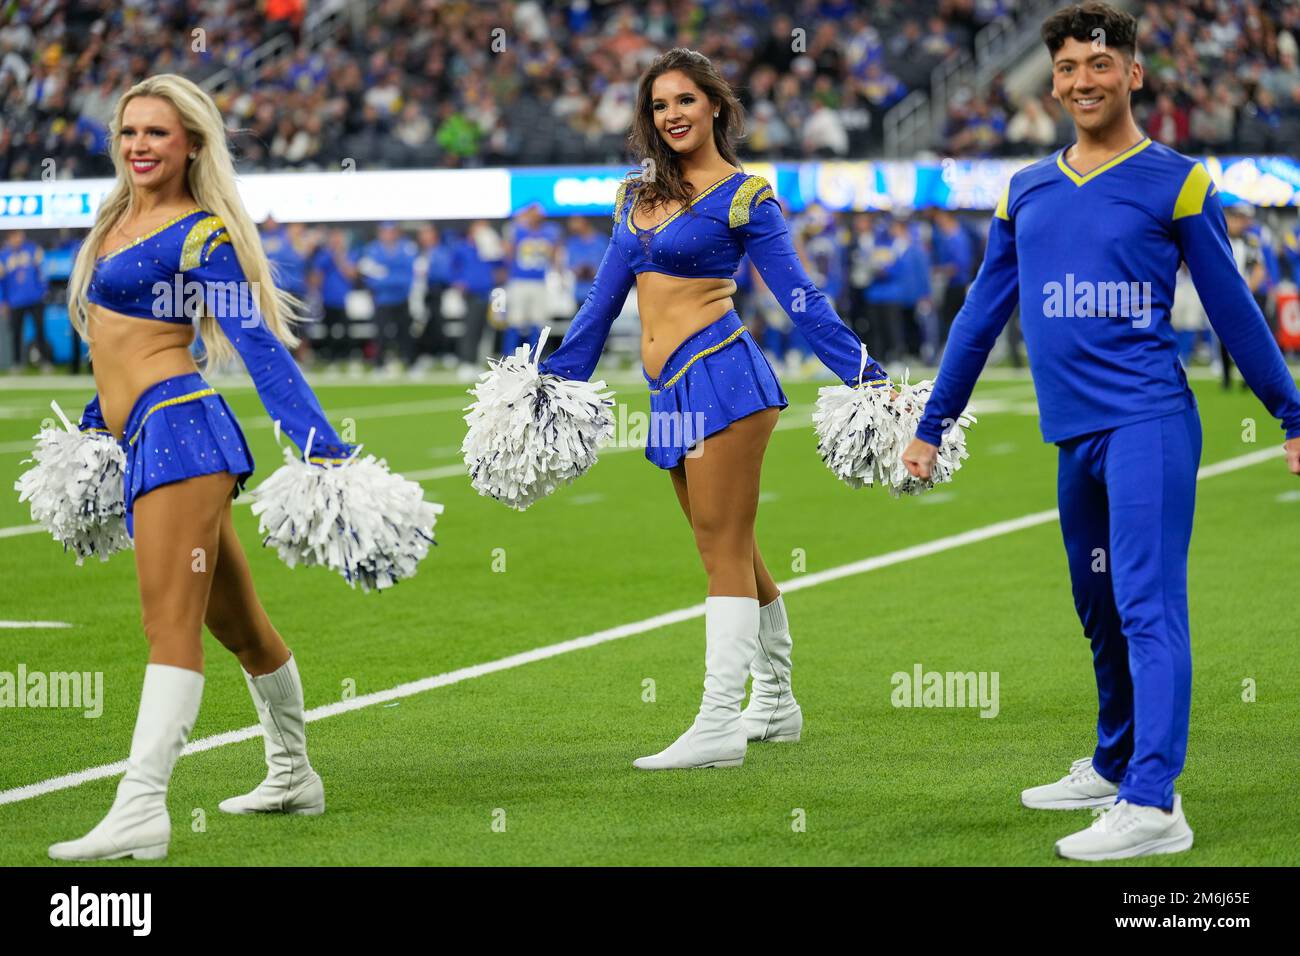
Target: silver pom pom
(76, 489)
(530, 433)
(371, 526)
(857, 432)
(952, 446)
(862, 434)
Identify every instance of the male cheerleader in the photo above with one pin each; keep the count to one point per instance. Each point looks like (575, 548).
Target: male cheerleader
(1089, 241)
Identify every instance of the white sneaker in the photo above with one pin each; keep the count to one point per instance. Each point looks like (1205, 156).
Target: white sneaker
(1079, 789)
(717, 737)
(291, 785)
(1128, 830)
(137, 825)
(772, 713)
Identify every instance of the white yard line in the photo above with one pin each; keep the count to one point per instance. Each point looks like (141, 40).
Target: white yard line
(20, 529)
(27, 624)
(998, 529)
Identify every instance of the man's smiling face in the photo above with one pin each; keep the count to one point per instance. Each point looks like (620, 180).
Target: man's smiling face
(1093, 82)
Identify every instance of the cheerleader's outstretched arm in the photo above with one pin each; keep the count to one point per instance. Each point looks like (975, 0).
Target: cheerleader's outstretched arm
(280, 383)
(757, 217)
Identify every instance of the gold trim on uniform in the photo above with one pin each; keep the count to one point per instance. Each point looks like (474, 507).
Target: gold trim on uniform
(178, 400)
(699, 355)
(198, 237)
(148, 235)
(620, 198)
(753, 188)
(222, 239)
(655, 229)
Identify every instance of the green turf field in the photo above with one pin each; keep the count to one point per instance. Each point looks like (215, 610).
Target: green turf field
(546, 748)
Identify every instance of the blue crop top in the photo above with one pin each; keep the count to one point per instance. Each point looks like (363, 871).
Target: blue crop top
(706, 239)
(188, 266)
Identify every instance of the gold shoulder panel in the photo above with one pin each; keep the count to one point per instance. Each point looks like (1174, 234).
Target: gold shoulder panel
(749, 194)
(620, 198)
(197, 239)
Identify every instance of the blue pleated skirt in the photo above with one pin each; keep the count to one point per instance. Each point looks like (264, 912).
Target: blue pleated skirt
(713, 378)
(180, 428)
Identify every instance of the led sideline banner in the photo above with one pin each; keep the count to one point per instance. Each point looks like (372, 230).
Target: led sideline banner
(459, 194)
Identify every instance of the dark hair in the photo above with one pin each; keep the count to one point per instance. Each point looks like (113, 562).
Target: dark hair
(644, 141)
(1090, 22)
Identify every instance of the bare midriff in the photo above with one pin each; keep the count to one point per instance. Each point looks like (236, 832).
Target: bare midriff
(130, 354)
(673, 309)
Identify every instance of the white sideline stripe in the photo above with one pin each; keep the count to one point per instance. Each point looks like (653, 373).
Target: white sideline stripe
(997, 529)
(20, 529)
(18, 624)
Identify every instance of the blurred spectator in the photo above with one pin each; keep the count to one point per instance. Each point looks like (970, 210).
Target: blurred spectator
(22, 291)
(432, 277)
(824, 134)
(333, 275)
(1168, 124)
(1031, 130)
(1212, 119)
(387, 266)
(477, 264)
(954, 263)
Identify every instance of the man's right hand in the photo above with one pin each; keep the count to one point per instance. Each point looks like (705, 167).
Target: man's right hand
(919, 458)
(1293, 455)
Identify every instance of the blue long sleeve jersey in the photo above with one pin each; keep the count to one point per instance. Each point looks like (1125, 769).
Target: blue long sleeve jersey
(736, 215)
(1092, 260)
(188, 266)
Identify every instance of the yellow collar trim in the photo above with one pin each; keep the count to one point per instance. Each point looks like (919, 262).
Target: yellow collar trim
(635, 231)
(148, 235)
(1109, 164)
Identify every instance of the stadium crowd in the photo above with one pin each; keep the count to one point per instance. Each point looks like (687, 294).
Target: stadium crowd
(451, 84)
(1221, 77)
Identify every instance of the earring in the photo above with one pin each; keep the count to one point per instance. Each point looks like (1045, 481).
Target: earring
(194, 155)
(715, 114)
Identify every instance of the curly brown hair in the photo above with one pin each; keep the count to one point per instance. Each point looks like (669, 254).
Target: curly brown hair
(645, 144)
(1091, 22)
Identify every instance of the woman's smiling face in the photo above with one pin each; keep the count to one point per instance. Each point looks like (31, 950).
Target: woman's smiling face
(682, 113)
(153, 143)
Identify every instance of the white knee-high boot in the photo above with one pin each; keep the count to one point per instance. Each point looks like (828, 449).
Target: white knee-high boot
(772, 714)
(717, 738)
(291, 785)
(137, 824)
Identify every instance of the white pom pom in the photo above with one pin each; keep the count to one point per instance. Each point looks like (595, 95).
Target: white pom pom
(862, 434)
(952, 446)
(530, 433)
(76, 489)
(856, 432)
(371, 526)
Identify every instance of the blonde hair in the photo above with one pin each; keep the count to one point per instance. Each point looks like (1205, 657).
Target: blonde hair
(211, 181)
